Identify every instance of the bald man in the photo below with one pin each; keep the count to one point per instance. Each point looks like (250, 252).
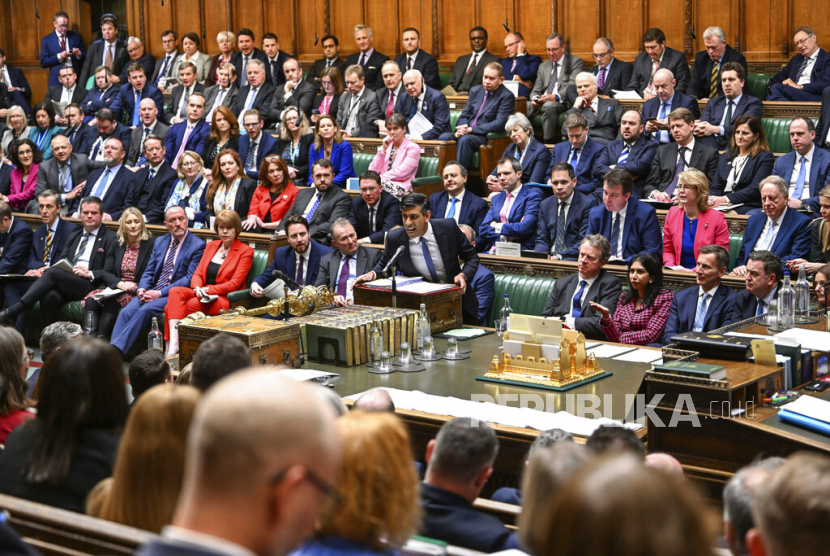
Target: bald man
(261, 442)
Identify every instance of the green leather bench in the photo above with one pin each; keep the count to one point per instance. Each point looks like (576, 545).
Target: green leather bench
(445, 79)
(476, 160)
(777, 131)
(528, 295)
(428, 173)
(756, 83)
(735, 243)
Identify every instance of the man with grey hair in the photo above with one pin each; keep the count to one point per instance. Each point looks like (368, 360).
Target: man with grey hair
(552, 80)
(340, 268)
(392, 96)
(612, 74)
(483, 283)
(738, 496)
(706, 72)
(136, 52)
(459, 462)
(779, 229)
(426, 101)
(603, 115)
(284, 437)
(572, 295)
(666, 98)
(51, 339)
(369, 59)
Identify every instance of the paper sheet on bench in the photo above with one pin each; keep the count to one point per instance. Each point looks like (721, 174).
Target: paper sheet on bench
(811, 407)
(419, 124)
(424, 287)
(521, 417)
(626, 95)
(605, 350)
(302, 375)
(809, 339)
(641, 356)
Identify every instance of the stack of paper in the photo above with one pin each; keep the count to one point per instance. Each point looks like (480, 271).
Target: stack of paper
(808, 412)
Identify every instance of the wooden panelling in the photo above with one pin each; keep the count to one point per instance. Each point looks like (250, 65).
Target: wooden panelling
(625, 27)
(533, 18)
(455, 22)
(218, 15)
(580, 25)
(672, 18)
(764, 24)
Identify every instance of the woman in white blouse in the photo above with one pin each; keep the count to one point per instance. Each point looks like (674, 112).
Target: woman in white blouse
(190, 44)
(230, 188)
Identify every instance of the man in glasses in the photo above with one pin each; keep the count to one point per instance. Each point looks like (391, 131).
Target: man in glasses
(806, 75)
(612, 74)
(290, 454)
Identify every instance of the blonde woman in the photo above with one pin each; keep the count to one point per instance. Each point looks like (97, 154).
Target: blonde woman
(190, 190)
(226, 40)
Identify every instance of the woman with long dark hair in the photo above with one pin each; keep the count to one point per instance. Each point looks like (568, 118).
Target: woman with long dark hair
(230, 188)
(14, 365)
(224, 134)
(26, 158)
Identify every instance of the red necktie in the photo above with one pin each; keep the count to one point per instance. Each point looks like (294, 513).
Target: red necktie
(390, 106)
(473, 65)
(63, 43)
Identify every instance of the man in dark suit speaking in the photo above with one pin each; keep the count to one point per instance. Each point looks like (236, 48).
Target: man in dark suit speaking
(432, 249)
(571, 295)
(341, 267)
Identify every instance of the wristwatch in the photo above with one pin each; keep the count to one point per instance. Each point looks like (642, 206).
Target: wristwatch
(803, 205)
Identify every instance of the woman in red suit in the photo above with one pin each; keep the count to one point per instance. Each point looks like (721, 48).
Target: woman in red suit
(223, 269)
(692, 223)
(272, 198)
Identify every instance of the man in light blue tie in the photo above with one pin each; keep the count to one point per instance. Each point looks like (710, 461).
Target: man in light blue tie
(112, 184)
(806, 169)
(667, 98)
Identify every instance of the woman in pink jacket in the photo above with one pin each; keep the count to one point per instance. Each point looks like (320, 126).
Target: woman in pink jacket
(692, 223)
(398, 158)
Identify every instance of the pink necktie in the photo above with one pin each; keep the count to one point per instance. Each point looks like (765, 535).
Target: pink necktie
(184, 145)
(505, 210)
(481, 108)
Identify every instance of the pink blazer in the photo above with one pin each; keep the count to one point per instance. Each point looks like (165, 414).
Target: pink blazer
(711, 230)
(21, 193)
(405, 166)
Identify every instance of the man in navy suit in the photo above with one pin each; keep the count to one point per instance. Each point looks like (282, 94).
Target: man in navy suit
(101, 95)
(189, 135)
(708, 305)
(107, 127)
(256, 94)
(375, 212)
(633, 152)
(255, 145)
(164, 66)
(131, 94)
(176, 110)
(78, 133)
(153, 182)
(806, 75)
(612, 74)
(581, 152)
(806, 169)
(345, 263)
(603, 115)
(657, 56)
(707, 73)
(519, 65)
(823, 127)
(630, 225)
(561, 238)
(413, 57)
(715, 126)
(367, 57)
(763, 270)
(61, 48)
(456, 202)
(19, 92)
(275, 59)
(780, 229)
(247, 53)
(666, 98)
(174, 258)
(299, 260)
(137, 54)
(392, 96)
(486, 111)
(15, 242)
(112, 184)
(513, 212)
(49, 239)
(483, 283)
(431, 104)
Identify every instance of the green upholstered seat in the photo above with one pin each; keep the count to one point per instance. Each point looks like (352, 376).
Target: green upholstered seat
(361, 162)
(257, 267)
(777, 131)
(445, 79)
(735, 242)
(528, 295)
(756, 83)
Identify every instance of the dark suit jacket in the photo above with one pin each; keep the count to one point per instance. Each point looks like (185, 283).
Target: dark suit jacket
(616, 78)
(122, 132)
(651, 108)
(452, 243)
(137, 141)
(493, 117)
(5, 178)
(124, 103)
(300, 161)
(96, 99)
(425, 63)
(484, 286)
(276, 75)
(521, 222)
(473, 210)
(168, 71)
(462, 81)
(605, 290)
(435, 108)
(150, 197)
(18, 79)
(400, 104)
(115, 199)
(12, 544)
(641, 230)
(792, 241)
(256, 54)
(195, 142)
(95, 58)
(54, 93)
(745, 190)
(387, 217)
(702, 72)
(534, 164)
(605, 125)
(212, 93)
(302, 97)
(313, 73)
(58, 243)
(16, 245)
(242, 203)
(672, 60)
(664, 166)
(714, 111)
(824, 121)
(102, 254)
(110, 279)
(747, 304)
(81, 139)
(368, 110)
(819, 77)
(637, 164)
(329, 265)
(374, 80)
(586, 182)
(526, 68)
(722, 310)
(334, 204)
(267, 145)
(167, 114)
(335, 102)
(784, 165)
(148, 62)
(48, 175)
(576, 224)
(190, 253)
(262, 101)
(285, 261)
(50, 47)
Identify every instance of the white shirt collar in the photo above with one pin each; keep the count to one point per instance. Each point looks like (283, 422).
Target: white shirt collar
(808, 156)
(780, 218)
(428, 235)
(711, 292)
(690, 147)
(204, 541)
(54, 226)
(622, 211)
(460, 196)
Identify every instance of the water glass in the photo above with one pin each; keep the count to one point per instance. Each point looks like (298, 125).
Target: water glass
(452, 347)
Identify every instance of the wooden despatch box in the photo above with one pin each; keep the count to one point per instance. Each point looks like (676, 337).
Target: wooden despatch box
(272, 342)
(443, 307)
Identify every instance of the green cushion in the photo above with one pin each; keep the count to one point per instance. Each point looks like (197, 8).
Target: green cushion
(445, 79)
(528, 295)
(756, 83)
(777, 131)
(361, 162)
(454, 115)
(735, 242)
(427, 167)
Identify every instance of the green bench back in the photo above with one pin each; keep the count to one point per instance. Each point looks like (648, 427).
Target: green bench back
(528, 295)
(756, 83)
(777, 131)
(735, 242)
(445, 79)
(427, 166)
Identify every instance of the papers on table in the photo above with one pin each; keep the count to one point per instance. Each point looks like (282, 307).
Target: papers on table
(419, 125)
(725, 208)
(626, 95)
(386, 283)
(809, 339)
(642, 356)
(608, 351)
(424, 287)
(811, 407)
(302, 375)
(522, 417)
(465, 333)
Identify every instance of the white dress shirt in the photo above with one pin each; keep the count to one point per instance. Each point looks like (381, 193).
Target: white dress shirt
(805, 193)
(726, 109)
(805, 75)
(352, 274)
(305, 258)
(569, 319)
(459, 201)
(203, 542)
(66, 94)
(621, 216)
(775, 232)
(513, 196)
(83, 259)
(416, 254)
(311, 203)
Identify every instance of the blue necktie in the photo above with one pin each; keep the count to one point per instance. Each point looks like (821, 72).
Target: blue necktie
(428, 259)
(700, 316)
(761, 308)
(662, 136)
(451, 212)
(623, 155)
(136, 119)
(576, 312)
(251, 99)
(615, 233)
(163, 72)
(101, 186)
(316, 204)
(574, 161)
(799, 182)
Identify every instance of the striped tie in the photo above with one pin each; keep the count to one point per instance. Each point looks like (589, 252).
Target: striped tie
(167, 270)
(700, 316)
(47, 247)
(713, 82)
(624, 155)
(81, 248)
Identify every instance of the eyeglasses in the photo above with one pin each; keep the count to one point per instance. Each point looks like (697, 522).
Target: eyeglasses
(601, 55)
(803, 41)
(508, 45)
(189, 164)
(326, 489)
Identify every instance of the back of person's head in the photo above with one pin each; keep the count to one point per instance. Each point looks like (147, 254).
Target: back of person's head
(265, 443)
(55, 335)
(792, 508)
(148, 369)
(462, 453)
(738, 496)
(616, 505)
(667, 464)
(612, 438)
(378, 483)
(376, 399)
(81, 387)
(218, 357)
(550, 438)
(148, 471)
(548, 470)
(334, 401)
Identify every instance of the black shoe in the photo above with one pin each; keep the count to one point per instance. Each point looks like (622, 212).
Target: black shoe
(106, 323)
(90, 324)
(6, 317)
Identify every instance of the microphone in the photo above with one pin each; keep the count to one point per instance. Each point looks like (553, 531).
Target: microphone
(393, 260)
(282, 276)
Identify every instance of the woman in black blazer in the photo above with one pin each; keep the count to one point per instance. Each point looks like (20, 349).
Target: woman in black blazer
(533, 154)
(224, 134)
(743, 166)
(131, 256)
(230, 188)
(294, 143)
